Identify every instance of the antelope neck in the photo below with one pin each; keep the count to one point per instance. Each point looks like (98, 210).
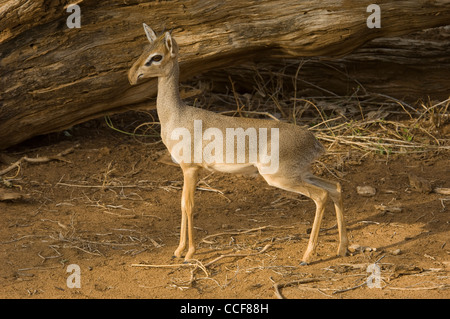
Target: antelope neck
(168, 101)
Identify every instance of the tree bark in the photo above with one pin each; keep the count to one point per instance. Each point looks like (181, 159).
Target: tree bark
(409, 68)
(53, 77)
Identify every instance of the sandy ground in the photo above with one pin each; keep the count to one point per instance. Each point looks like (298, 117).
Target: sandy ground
(111, 204)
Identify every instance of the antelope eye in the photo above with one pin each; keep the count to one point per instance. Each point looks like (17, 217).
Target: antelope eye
(157, 58)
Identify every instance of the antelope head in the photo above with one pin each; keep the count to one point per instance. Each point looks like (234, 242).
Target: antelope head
(158, 58)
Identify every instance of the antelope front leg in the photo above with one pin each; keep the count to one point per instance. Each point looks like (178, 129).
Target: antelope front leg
(179, 251)
(187, 210)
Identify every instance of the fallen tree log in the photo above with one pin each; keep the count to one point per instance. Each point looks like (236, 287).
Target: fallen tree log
(53, 77)
(410, 68)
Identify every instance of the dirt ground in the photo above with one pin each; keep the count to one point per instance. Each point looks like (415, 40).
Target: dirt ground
(111, 203)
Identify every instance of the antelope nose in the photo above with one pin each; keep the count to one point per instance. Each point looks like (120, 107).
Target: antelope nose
(133, 79)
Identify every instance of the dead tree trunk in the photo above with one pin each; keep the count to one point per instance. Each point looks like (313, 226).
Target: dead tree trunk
(53, 77)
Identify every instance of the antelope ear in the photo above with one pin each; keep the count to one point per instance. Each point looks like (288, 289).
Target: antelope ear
(151, 35)
(170, 45)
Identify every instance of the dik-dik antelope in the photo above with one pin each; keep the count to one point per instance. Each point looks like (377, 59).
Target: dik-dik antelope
(292, 148)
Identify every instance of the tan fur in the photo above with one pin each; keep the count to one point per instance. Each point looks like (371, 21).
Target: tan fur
(297, 147)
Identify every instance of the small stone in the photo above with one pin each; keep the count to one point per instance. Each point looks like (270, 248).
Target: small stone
(354, 247)
(396, 252)
(366, 190)
(442, 191)
(388, 209)
(419, 184)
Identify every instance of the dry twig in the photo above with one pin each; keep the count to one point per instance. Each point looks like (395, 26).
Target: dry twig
(44, 159)
(277, 286)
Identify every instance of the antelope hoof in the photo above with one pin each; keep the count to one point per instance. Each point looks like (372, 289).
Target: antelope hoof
(189, 255)
(177, 253)
(342, 251)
